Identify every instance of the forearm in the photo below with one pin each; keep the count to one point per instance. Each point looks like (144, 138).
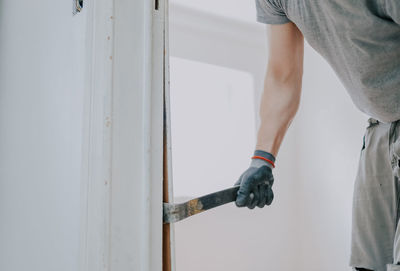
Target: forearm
(279, 104)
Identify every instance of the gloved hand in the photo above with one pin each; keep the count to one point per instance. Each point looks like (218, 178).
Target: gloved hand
(256, 182)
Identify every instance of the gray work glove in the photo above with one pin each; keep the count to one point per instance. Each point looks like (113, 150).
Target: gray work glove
(256, 183)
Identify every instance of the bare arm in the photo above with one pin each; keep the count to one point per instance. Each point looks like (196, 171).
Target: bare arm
(282, 87)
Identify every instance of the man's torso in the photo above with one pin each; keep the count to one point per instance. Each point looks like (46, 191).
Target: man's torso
(361, 41)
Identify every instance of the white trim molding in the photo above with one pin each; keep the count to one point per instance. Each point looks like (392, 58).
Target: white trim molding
(123, 150)
(96, 169)
(137, 142)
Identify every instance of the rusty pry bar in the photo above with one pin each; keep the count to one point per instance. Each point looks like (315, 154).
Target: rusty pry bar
(175, 212)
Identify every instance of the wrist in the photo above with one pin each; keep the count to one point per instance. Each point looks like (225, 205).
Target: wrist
(268, 138)
(257, 163)
(261, 158)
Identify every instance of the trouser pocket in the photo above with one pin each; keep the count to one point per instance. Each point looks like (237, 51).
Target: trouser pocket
(371, 123)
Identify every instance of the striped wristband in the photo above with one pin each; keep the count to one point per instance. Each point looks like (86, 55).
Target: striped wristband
(266, 156)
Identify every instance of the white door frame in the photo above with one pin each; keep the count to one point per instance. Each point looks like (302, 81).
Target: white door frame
(123, 150)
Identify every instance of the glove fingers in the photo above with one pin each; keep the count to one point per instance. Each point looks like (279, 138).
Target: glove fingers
(244, 197)
(250, 199)
(241, 199)
(270, 196)
(242, 194)
(271, 180)
(263, 196)
(253, 202)
(254, 188)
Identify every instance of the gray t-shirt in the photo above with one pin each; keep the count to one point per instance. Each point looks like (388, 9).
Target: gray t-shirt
(359, 38)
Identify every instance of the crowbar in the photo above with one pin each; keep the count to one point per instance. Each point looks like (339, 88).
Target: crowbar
(175, 212)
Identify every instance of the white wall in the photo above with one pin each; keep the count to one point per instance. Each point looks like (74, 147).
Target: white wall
(308, 225)
(329, 132)
(42, 69)
(211, 144)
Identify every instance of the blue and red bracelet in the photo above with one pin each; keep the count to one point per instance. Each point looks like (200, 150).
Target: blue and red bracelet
(265, 159)
(266, 156)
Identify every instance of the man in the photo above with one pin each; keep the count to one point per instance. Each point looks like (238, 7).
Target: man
(360, 39)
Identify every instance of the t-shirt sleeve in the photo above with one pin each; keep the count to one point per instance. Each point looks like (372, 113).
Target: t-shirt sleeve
(270, 12)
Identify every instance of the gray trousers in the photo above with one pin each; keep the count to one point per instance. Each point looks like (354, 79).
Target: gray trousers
(375, 240)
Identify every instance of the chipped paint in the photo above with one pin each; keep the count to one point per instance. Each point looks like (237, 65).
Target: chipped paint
(194, 207)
